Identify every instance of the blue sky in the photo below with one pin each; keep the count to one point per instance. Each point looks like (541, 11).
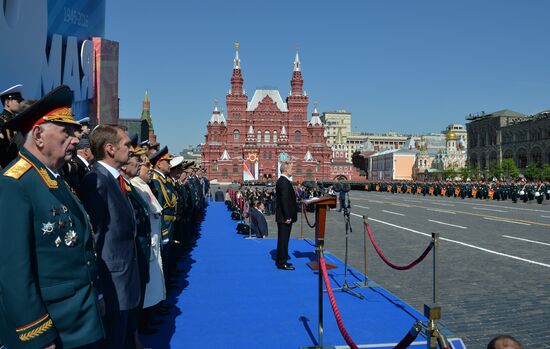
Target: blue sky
(406, 66)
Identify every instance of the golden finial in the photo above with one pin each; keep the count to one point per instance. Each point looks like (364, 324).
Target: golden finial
(237, 45)
(216, 102)
(315, 104)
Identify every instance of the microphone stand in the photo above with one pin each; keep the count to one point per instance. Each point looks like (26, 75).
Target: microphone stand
(345, 286)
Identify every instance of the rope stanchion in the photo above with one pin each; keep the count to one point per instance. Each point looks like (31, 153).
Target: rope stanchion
(395, 266)
(407, 340)
(409, 337)
(335, 309)
(307, 219)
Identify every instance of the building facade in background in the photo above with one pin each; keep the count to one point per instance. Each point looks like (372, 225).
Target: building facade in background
(392, 164)
(509, 135)
(338, 121)
(246, 145)
(485, 141)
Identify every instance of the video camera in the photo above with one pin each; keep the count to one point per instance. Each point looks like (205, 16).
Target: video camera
(341, 187)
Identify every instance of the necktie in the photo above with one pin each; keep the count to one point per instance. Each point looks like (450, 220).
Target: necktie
(122, 185)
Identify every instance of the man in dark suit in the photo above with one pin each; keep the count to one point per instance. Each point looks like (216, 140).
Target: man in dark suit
(286, 214)
(48, 276)
(76, 168)
(114, 224)
(218, 196)
(258, 224)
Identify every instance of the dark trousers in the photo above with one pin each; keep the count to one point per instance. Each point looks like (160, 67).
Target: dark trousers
(283, 235)
(116, 324)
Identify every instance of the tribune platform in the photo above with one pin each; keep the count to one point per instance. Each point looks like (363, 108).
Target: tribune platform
(232, 296)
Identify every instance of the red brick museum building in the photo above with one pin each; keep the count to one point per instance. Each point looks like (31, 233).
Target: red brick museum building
(247, 144)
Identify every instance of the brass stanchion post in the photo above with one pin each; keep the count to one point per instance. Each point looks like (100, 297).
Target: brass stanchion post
(433, 311)
(365, 284)
(435, 241)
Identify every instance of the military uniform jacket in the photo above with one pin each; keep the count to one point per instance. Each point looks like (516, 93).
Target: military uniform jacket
(163, 188)
(48, 271)
(143, 235)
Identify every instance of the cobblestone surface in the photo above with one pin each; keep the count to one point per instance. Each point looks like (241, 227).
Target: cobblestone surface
(482, 294)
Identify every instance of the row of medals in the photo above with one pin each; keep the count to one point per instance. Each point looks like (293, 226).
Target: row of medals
(70, 237)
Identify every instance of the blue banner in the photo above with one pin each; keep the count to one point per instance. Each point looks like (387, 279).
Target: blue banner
(80, 18)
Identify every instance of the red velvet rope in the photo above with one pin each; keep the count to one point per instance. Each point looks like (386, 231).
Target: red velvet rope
(335, 310)
(394, 266)
(307, 219)
(404, 343)
(408, 339)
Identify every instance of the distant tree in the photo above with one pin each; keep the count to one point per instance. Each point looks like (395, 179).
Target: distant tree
(358, 160)
(532, 172)
(545, 172)
(509, 169)
(495, 170)
(465, 173)
(450, 172)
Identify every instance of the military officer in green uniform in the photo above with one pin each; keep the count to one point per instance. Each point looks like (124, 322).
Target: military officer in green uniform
(49, 296)
(162, 187)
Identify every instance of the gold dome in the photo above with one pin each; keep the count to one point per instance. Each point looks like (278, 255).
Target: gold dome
(451, 136)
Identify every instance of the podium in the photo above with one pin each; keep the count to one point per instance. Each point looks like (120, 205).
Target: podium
(321, 206)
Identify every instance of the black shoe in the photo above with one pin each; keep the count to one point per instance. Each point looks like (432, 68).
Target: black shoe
(288, 263)
(161, 311)
(164, 306)
(155, 322)
(148, 330)
(285, 267)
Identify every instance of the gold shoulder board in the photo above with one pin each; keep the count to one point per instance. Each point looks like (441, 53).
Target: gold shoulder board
(18, 169)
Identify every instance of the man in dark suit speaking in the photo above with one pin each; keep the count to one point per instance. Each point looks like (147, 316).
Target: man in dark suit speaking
(286, 214)
(106, 200)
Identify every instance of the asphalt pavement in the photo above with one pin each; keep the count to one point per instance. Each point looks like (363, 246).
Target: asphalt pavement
(494, 260)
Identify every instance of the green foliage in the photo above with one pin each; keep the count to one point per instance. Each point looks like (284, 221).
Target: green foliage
(509, 169)
(495, 170)
(465, 173)
(545, 173)
(449, 173)
(533, 172)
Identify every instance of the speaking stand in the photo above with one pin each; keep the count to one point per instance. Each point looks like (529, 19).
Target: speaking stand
(321, 206)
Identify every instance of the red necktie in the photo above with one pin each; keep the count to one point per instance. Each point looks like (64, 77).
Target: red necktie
(122, 185)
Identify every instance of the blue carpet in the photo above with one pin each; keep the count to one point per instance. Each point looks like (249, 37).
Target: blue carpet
(232, 296)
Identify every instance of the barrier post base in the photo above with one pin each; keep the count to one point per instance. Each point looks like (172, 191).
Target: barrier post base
(314, 265)
(363, 284)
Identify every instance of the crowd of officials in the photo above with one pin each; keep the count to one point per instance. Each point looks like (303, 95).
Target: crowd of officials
(93, 225)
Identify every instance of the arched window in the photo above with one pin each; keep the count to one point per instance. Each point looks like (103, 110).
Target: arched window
(297, 136)
(236, 135)
(259, 140)
(224, 173)
(215, 166)
(275, 136)
(267, 137)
